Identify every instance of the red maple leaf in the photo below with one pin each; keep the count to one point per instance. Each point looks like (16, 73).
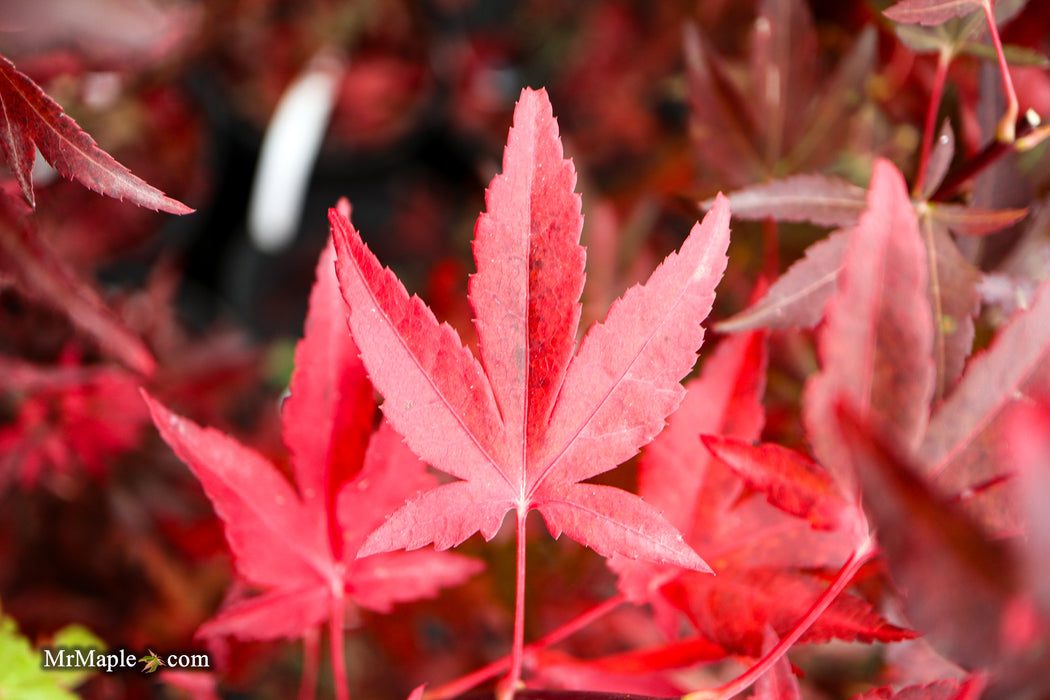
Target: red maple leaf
(301, 548)
(30, 120)
(968, 689)
(765, 524)
(65, 416)
(876, 346)
(522, 427)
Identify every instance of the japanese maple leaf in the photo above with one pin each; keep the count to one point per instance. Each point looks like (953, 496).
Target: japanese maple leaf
(525, 425)
(41, 274)
(300, 548)
(31, 120)
(66, 418)
(876, 346)
(764, 517)
(931, 12)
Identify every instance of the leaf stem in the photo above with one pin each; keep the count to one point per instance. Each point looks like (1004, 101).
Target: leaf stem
(944, 59)
(338, 656)
(462, 684)
(509, 685)
(1005, 131)
(746, 679)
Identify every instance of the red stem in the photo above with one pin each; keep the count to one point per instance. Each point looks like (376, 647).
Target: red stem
(510, 684)
(464, 683)
(338, 656)
(944, 59)
(311, 662)
(746, 679)
(1005, 131)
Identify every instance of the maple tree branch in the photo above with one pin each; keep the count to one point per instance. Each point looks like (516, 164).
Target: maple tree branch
(746, 679)
(944, 59)
(464, 683)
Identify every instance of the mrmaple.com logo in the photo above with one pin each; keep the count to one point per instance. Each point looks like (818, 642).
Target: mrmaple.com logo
(64, 658)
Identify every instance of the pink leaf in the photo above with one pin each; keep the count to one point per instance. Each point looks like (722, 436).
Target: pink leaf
(960, 447)
(301, 548)
(955, 302)
(328, 415)
(820, 199)
(378, 582)
(275, 540)
(876, 345)
(524, 425)
(937, 547)
(974, 221)
(282, 613)
(798, 298)
(931, 12)
(725, 399)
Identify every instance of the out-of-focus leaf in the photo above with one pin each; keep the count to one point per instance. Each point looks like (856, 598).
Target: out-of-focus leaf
(957, 580)
(43, 275)
(957, 35)
(22, 675)
(67, 420)
(875, 346)
(75, 636)
(975, 221)
(783, 69)
(1026, 445)
(923, 39)
(940, 159)
(789, 480)
(721, 116)
(840, 96)
(960, 446)
(820, 199)
(1015, 55)
(969, 689)
(954, 300)
(799, 296)
(931, 12)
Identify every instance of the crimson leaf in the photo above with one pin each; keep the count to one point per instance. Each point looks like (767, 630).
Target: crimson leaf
(521, 428)
(301, 548)
(28, 118)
